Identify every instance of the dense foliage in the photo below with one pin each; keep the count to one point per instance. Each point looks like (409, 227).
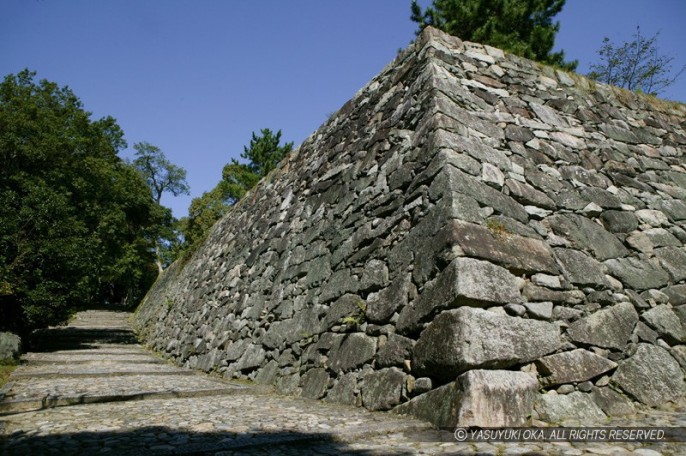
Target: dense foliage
(522, 27)
(77, 223)
(635, 65)
(262, 156)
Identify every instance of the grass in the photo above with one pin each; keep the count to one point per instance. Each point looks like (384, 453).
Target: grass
(5, 371)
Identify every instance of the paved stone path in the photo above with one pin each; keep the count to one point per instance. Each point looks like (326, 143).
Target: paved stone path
(89, 388)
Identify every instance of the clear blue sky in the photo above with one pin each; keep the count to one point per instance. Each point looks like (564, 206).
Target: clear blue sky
(196, 78)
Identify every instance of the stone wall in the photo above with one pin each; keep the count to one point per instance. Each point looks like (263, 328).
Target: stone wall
(473, 239)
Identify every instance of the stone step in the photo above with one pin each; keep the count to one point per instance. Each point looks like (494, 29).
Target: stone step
(11, 405)
(99, 368)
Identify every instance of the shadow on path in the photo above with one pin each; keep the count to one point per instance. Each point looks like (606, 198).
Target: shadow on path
(74, 338)
(153, 441)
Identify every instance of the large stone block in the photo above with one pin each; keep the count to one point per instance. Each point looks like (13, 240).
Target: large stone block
(663, 320)
(465, 281)
(638, 274)
(576, 406)
(485, 398)
(352, 351)
(581, 269)
(468, 338)
(573, 366)
(343, 392)
(382, 305)
(438, 406)
(673, 260)
(381, 389)
(651, 375)
(587, 235)
(485, 195)
(494, 243)
(496, 398)
(314, 383)
(611, 402)
(395, 351)
(609, 328)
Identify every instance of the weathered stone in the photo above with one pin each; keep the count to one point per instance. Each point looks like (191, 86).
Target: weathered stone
(352, 351)
(482, 193)
(676, 294)
(516, 310)
(288, 384)
(422, 385)
(673, 260)
(587, 235)
(581, 269)
(566, 314)
(469, 338)
(619, 221)
(534, 293)
(10, 346)
(253, 357)
(268, 373)
(651, 375)
(612, 403)
(652, 217)
(338, 284)
(660, 237)
(465, 281)
(645, 334)
(663, 320)
(609, 328)
(674, 209)
(382, 305)
(314, 383)
(639, 241)
(655, 296)
(375, 275)
(491, 175)
(547, 281)
(557, 408)
(343, 392)
(381, 389)
(540, 310)
(485, 398)
(514, 252)
(496, 398)
(396, 350)
(600, 198)
(527, 195)
(637, 274)
(678, 352)
(346, 306)
(572, 367)
(439, 406)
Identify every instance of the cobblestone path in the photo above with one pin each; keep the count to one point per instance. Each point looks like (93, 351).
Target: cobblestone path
(90, 388)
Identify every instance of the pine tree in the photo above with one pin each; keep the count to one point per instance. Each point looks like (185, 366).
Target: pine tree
(521, 27)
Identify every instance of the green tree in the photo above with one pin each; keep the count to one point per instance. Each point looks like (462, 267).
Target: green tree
(522, 27)
(635, 65)
(75, 219)
(262, 155)
(203, 212)
(162, 177)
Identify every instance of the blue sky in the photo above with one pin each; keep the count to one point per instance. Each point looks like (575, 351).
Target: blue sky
(196, 78)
